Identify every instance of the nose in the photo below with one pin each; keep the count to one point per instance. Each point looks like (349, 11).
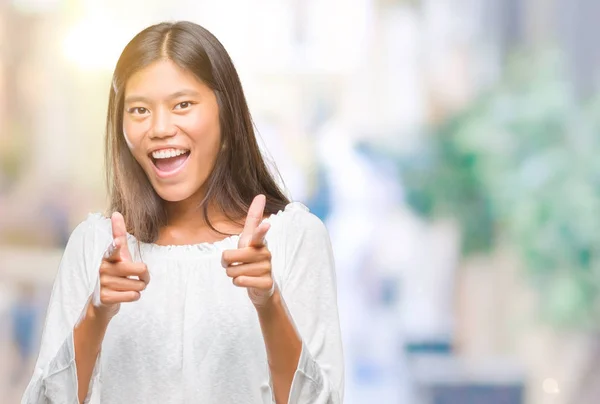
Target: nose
(161, 125)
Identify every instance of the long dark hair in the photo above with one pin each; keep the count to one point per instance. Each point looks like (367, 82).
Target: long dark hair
(239, 173)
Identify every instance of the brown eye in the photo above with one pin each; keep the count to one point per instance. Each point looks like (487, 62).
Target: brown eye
(183, 105)
(138, 110)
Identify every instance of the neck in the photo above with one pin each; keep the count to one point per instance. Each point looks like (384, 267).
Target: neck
(186, 223)
(186, 219)
(189, 213)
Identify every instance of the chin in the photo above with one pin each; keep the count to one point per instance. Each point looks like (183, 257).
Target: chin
(174, 194)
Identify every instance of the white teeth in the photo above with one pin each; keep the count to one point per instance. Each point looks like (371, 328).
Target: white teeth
(168, 153)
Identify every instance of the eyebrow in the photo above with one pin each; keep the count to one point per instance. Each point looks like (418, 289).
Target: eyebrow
(182, 93)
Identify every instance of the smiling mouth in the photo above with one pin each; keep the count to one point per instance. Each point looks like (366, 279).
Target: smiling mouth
(169, 163)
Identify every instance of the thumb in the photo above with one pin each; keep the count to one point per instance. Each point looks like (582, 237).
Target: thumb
(119, 232)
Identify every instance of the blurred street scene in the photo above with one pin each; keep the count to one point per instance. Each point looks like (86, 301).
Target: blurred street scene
(448, 145)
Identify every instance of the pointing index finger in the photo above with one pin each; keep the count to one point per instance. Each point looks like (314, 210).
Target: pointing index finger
(255, 215)
(119, 232)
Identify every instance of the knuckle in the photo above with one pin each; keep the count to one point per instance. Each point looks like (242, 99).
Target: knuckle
(264, 285)
(104, 279)
(263, 267)
(141, 269)
(228, 256)
(230, 271)
(104, 296)
(104, 267)
(267, 255)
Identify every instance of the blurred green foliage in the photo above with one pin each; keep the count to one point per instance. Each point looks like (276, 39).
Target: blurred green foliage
(521, 165)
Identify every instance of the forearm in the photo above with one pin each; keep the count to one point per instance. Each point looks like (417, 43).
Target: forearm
(87, 338)
(283, 345)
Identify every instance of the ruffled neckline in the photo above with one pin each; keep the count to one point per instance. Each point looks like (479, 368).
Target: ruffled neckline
(224, 243)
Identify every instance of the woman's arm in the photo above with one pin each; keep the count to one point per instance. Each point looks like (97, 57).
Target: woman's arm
(304, 347)
(250, 267)
(76, 322)
(88, 335)
(114, 287)
(307, 283)
(283, 344)
(54, 377)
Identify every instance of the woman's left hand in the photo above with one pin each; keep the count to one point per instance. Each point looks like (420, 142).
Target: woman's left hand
(250, 264)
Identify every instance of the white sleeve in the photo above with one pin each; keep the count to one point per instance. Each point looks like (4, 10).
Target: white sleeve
(55, 376)
(308, 286)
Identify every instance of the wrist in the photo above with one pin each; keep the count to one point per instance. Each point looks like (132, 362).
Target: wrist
(99, 315)
(270, 305)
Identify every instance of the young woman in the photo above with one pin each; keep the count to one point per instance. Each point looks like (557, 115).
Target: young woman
(241, 306)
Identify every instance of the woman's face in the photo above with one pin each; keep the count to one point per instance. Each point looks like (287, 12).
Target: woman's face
(171, 124)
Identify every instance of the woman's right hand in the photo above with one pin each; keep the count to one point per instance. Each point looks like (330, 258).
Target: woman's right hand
(120, 279)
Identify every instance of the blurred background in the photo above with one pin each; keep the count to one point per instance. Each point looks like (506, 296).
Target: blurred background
(449, 146)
